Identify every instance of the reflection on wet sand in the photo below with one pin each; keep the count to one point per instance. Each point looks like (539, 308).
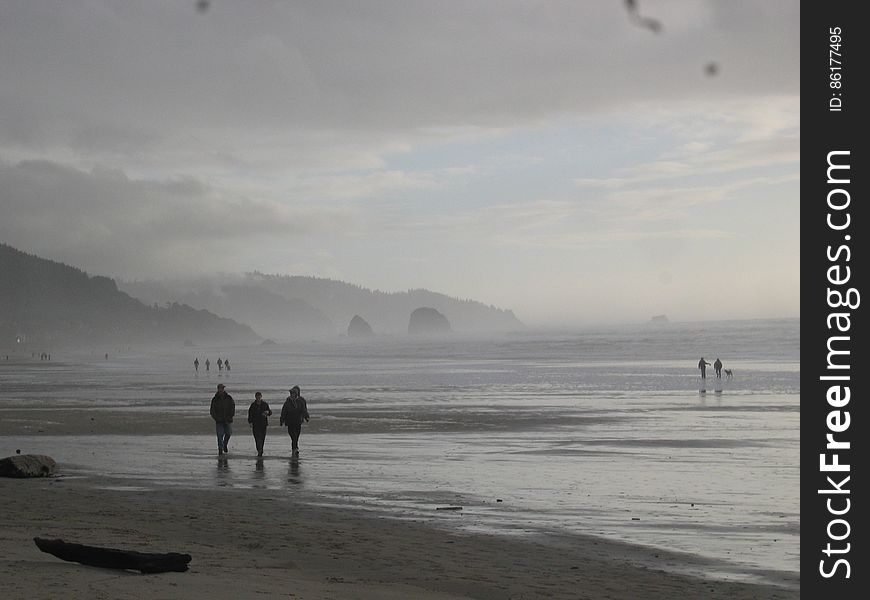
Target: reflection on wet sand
(259, 475)
(293, 473)
(222, 474)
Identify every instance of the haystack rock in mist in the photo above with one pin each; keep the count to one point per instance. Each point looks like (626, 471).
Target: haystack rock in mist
(359, 327)
(45, 303)
(286, 307)
(426, 320)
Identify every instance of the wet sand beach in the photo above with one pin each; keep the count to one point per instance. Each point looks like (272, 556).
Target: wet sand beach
(269, 545)
(578, 479)
(277, 543)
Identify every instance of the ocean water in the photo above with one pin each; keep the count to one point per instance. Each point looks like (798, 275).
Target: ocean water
(608, 432)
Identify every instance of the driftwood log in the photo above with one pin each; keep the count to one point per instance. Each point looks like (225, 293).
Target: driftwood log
(111, 558)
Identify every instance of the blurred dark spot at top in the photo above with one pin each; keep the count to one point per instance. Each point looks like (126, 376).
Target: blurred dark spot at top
(711, 69)
(634, 14)
(202, 5)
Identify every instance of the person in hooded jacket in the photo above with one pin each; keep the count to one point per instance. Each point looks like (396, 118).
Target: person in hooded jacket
(293, 412)
(258, 417)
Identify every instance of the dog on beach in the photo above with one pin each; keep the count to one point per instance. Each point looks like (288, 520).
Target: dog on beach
(728, 374)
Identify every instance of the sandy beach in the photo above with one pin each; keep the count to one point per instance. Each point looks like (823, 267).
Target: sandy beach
(632, 489)
(267, 543)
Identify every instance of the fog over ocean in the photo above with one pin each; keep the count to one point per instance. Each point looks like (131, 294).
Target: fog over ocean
(601, 431)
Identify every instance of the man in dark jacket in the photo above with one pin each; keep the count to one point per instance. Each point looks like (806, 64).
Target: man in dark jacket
(258, 416)
(223, 408)
(703, 364)
(294, 410)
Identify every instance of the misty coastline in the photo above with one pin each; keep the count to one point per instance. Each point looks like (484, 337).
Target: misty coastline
(496, 246)
(577, 432)
(45, 303)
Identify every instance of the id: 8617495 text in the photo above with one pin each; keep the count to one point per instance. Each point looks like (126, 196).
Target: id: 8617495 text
(835, 69)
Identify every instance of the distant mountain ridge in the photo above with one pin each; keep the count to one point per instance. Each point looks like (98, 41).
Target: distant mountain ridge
(387, 312)
(46, 302)
(293, 306)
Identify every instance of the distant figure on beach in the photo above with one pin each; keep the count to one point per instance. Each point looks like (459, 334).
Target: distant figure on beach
(223, 408)
(196, 364)
(227, 364)
(294, 410)
(220, 365)
(717, 366)
(107, 356)
(207, 364)
(702, 364)
(258, 417)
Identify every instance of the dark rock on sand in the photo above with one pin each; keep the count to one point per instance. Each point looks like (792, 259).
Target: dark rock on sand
(428, 320)
(27, 465)
(359, 327)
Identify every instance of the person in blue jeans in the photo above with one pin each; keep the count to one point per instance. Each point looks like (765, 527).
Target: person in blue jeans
(223, 408)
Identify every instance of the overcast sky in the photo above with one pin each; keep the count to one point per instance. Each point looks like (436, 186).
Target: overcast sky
(552, 157)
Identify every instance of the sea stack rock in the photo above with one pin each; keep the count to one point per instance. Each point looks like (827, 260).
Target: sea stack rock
(428, 320)
(359, 327)
(27, 465)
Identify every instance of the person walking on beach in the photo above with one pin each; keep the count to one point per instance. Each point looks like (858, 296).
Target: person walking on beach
(207, 364)
(227, 364)
(717, 366)
(223, 408)
(295, 409)
(258, 417)
(220, 365)
(196, 364)
(703, 364)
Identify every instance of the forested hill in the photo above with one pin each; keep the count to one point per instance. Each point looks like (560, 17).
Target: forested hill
(287, 307)
(387, 312)
(47, 302)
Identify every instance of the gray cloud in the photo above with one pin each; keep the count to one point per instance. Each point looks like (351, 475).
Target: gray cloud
(340, 137)
(117, 225)
(111, 75)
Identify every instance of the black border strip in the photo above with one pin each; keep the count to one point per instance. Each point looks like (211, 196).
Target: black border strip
(833, 259)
